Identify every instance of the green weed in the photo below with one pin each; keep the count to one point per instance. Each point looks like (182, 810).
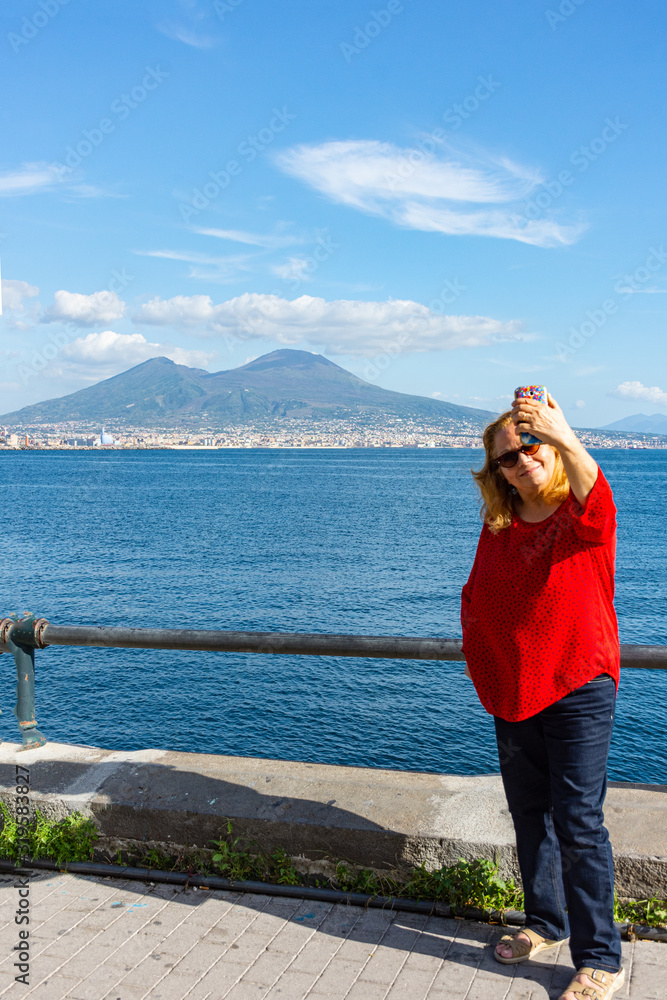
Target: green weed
(238, 862)
(651, 912)
(465, 884)
(68, 839)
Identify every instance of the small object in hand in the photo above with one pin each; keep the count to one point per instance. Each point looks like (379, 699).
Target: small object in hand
(539, 394)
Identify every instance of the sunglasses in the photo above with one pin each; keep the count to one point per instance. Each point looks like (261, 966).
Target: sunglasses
(509, 458)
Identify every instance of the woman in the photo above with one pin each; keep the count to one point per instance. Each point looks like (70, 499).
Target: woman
(541, 643)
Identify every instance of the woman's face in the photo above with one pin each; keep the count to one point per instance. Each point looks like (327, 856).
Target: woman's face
(532, 473)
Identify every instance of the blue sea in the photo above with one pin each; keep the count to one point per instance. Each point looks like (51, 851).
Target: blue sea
(357, 541)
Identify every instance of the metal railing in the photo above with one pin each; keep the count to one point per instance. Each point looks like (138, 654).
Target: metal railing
(22, 636)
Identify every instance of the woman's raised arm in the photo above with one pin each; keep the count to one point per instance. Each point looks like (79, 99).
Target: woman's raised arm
(548, 423)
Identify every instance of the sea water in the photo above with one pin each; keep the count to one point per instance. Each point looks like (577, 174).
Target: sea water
(357, 541)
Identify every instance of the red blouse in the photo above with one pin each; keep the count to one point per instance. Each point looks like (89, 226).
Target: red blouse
(537, 611)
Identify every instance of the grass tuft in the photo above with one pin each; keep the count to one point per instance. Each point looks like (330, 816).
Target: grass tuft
(68, 839)
(650, 912)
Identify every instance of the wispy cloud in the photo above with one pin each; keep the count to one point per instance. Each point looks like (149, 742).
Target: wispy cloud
(268, 241)
(83, 190)
(635, 390)
(518, 366)
(28, 179)
(41, 177)
(181, 33)
(339, 327)
(429, 192)
(296, 268)
(206, 267)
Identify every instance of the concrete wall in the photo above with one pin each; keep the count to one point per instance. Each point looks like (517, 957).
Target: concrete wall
(376, 818)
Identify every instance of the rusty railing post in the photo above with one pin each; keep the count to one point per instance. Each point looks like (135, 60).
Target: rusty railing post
(21, 635)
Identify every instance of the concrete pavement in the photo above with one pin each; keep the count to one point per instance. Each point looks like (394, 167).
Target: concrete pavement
(100, 939)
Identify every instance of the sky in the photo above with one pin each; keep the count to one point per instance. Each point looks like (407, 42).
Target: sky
(448, 199)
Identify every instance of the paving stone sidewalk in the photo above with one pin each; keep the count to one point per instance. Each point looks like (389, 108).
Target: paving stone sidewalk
(104, 939)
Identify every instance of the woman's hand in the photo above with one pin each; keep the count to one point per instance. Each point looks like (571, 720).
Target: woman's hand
(548, 422)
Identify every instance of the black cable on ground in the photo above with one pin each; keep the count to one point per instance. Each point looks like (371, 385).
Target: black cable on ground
(430, 907)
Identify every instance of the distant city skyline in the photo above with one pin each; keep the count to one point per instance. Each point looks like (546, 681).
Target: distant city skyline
(448, 202)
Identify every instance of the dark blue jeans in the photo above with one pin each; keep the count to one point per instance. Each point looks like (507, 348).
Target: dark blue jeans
(554, 769)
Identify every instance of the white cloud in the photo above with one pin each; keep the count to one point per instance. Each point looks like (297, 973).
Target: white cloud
(179, 33)
(207, 268)
(28, 179)
(268, 241)
(338, 327)
(419, 190)
(20, 305)
(580, 403)
(42, 177)
(84, 310)
(635, 390)
(92, 191)
(14, 292)
(296, 268)
(182, 310)
(39, 177)
(518, 366)
(100, 354)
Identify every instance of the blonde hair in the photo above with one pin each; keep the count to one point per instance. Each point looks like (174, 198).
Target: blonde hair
(497, 494)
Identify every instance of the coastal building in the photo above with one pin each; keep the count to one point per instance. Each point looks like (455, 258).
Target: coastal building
(104, 439)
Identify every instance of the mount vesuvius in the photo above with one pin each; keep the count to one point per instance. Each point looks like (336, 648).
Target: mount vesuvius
(284, 383)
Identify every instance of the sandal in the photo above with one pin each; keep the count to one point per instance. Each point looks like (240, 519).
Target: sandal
(522, 950)
(609, 982)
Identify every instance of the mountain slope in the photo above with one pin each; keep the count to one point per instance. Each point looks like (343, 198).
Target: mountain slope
(639, 422)
(155, 386)
(282, 383)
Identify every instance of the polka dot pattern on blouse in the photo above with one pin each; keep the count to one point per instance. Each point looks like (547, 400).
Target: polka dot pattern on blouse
(537, 611)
